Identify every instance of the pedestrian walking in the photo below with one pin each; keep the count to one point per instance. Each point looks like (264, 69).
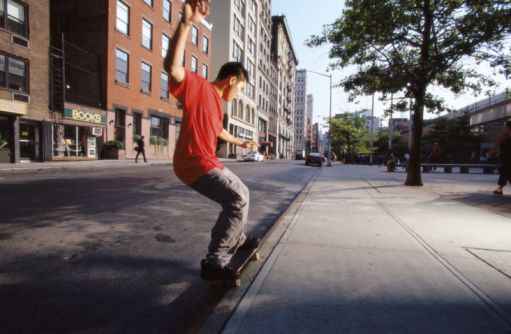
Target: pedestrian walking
(140, 149)
(195, 160)
(504, 144)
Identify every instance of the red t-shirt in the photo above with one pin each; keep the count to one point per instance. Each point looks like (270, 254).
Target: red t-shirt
(203, 116)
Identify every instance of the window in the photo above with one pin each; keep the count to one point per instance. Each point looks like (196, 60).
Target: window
(149, 2)
(239, 30)
(205, 70)
(15, 17)
(121, 66)
(237, 54)
(167, 10)
(13, 73)
(165, 42)
(145, 77)
(159, 127)
(137, 124)
(120, 125)
(123, 18)
(195, 35)
(3, 80)
(164, 82)
(234, 108)
(205, 44)
(252, 26)
(251, 71)
(17, 76)
(240, 109)
(251, 46)
(147, 34)
(194, 65)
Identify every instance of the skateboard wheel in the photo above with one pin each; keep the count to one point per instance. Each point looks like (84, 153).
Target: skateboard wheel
(256, 257)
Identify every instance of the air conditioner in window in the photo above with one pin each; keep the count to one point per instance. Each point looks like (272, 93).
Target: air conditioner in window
(20, 97)
(20, 40)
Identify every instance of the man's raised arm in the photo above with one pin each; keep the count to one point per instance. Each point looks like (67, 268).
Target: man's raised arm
(194, 12)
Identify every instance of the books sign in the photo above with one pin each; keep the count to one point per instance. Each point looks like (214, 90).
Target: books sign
(85, 116)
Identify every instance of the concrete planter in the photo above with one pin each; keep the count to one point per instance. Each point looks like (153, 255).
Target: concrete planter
(5, 156)
(113, 153)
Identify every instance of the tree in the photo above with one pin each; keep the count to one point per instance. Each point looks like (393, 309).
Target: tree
(405, 47)
(349, 135)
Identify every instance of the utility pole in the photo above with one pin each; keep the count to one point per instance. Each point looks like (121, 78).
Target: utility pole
(391, 127)
(329, 159)
(371, 133)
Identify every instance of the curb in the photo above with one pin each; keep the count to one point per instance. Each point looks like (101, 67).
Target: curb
(42, 169)
(228, 306)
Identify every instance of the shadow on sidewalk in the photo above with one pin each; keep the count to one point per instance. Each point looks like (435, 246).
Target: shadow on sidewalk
(487, 201)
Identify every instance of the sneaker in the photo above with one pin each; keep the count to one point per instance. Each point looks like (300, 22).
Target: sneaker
(213, 272)
(498, 192)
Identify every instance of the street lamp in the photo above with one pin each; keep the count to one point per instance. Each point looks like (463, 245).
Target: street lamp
(329, 76)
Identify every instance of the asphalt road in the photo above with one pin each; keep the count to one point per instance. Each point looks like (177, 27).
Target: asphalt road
(118, 251)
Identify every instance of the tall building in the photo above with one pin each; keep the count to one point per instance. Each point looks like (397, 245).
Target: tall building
(108, 80)
(237, 24)
(266, 76)
(24, 67)
(308, 122)
(316, 140)
(300, 113)
(373, 123)
(285, 62)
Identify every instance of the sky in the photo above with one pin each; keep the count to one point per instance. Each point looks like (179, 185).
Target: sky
(307, 17)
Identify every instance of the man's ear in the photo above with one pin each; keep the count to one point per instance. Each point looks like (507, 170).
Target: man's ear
(233, 81)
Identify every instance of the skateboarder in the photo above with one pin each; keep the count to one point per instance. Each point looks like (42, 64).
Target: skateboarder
(195, 161)
(504, 143)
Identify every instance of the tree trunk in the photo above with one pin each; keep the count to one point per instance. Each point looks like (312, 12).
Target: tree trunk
(414, 177)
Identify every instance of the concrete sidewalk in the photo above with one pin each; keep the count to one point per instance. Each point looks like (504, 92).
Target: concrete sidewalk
(365, 254)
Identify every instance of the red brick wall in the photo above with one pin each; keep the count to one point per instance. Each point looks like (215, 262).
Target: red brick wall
(131, 97)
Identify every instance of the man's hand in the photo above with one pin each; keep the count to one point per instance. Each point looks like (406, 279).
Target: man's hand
(195, 11)
(251, 145)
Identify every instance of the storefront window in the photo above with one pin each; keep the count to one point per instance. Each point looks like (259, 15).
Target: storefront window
(159, 130)
(4, 140)
(73, 142)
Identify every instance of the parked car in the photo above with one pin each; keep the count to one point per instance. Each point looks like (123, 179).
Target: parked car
(314, 159)
(253, 156)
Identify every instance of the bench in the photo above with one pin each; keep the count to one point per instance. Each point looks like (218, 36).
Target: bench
(464, 168)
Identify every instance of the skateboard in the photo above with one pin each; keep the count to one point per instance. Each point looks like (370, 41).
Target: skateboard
(239, 262)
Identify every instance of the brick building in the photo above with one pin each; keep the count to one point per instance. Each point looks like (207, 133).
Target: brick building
(24, 41)
(123, 87)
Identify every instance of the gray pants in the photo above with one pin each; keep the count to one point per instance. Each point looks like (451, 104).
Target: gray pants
(225, 188)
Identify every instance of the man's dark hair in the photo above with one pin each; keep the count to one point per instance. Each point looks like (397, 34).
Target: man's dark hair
(508, 124)
(232, 69)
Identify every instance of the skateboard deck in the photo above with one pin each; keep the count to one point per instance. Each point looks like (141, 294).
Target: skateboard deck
(238, 263)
